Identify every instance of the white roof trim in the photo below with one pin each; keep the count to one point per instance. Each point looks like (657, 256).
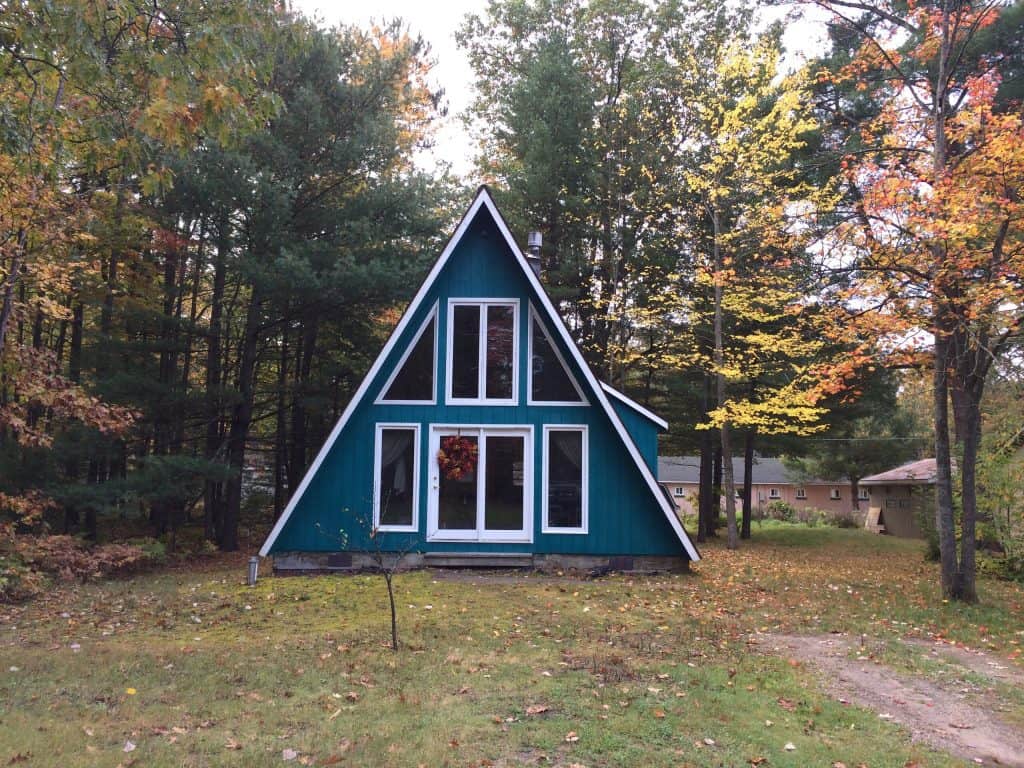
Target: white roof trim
(634, 405)
(483, 198)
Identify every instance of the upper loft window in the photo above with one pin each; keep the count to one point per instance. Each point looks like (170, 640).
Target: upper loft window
(550, 380)
(413, 379)
(482, 351)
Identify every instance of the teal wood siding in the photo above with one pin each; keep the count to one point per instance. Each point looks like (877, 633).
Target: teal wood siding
(624, 518)
(643, 431)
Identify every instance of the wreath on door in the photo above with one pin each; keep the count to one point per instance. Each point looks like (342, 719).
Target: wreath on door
(457, 457)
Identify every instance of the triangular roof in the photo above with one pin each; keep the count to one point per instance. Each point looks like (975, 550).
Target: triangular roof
(484, 201)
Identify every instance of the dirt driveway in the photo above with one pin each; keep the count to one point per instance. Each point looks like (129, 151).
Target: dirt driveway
(939, 715)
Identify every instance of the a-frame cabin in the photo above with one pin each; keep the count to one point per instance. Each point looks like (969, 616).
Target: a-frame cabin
(481, 436)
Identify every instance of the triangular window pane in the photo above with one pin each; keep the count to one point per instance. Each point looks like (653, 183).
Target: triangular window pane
(415, 379)
(551, 382)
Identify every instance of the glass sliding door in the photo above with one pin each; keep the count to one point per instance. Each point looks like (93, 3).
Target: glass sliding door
(480, 484)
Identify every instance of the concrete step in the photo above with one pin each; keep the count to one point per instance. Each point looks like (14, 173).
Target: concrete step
(478, 559)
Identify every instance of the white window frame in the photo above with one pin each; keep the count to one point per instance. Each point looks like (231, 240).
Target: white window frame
(377, 444)
(863, 494)
(534, 317)
(482, 304)
(679, 492)
(774, 494)
(585, 499)
(834, 494)
(480, 533)
(432, 315)
(801, 493)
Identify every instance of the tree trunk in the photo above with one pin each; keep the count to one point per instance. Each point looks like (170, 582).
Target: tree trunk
(212, 495)
(944, 520)
(241, 418)
(7, 307)
(705, 487)
(300, 414)
(729, 486)
(715, 510)
(748, 482)
(281, 431)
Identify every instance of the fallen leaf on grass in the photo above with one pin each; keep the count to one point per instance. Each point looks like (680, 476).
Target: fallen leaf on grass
(790, 746)
(289, 754)
(130, 691)
(659, 714)
(709, 742)
(129, 746)
(232, 744)
(838, 764)
(572, 737)
(352, 696)
(755, 761)
(537, 709)
(786, 704)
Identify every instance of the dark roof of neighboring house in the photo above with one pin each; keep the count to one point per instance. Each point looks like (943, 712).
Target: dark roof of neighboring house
(921, 472)
(686, 469)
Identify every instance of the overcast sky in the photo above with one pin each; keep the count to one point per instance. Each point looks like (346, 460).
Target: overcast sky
(437, 22)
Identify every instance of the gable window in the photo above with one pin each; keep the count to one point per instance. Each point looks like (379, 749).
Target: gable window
(550, 380)
(413, 379)
(678, 491)
(773, 493)
(396, 464)
(565, 479)
(801, 493)
(834, 494)
(482, 351)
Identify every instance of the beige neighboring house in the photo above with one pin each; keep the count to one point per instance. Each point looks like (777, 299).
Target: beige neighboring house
(899, 496)
(680, 475)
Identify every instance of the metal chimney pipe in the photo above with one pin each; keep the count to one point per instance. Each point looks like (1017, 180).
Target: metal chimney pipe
(533, 243)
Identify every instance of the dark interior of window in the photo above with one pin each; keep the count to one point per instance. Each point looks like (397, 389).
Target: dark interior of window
(565, 479)
(551, 382)
(397, 463)
(415, 380)
(500, 348)
(465, 352)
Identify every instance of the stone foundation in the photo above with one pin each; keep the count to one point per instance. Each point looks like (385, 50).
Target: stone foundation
(348, 562)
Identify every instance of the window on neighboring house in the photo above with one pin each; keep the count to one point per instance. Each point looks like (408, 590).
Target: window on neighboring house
(862, 494)
(773, 493)
(550, 380)
(801, 493)
(565, 479)
(396, 462)
(678, 491)
(482, 352)
(413, 380)
(834, 494)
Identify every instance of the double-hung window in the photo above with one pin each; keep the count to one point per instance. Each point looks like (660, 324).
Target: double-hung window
(483, 353)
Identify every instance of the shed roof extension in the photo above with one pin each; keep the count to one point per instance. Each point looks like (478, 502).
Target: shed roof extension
(920, 472)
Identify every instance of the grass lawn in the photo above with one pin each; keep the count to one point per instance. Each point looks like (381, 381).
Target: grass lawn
(191, 668)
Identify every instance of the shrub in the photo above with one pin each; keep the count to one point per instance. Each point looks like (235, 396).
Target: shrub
(780, 510)
(71, 559)
(842, 519)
